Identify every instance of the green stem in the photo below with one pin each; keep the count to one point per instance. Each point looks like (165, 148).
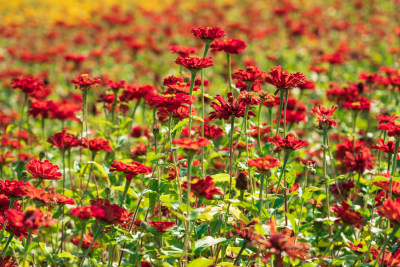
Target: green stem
(395, 228)
(7, 244)
(240, 252)
(228, 56)
(91, 244)
(173, 158)
(231, 154)
(281, 94)
(192, 79)
(334, 239)
(285, 160)
(20, 125)
(284, 112)
(258, 127)
(262, 177)
(187, 234)
(127, 184)
(396, 148)
(83, 233)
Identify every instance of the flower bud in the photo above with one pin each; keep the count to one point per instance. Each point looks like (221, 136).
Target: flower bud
(242, 182)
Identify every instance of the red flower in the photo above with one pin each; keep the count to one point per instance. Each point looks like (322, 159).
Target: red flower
(208, 34)
(88, 212)
(385, 121)
(231, 46)
(357, 162)
(264, 164)
(114, 214)
(14, 188)
(323, 116)
(171, 80)
(86, 241)
(36, 218)
(385, 184)
(224, 110)
(211, 131)
(278, 243)
(183, 51)
(170, 101)
(290, 142)
(62, 200)
(284, 79)
(161, 226)
(391, 209)
(394, 130)
(249, 75)
(191, 146)
(65, 110)
(6, 158)
(8, 261)
(136, 92)
(43, 170)
(139, 150)
(386, 148)
(28, 85)
(194, 64)
(249, 98)
(14, 219)
(361, 104)
(42, 107)
(370, 77)
(116, 85)
(131, 169)
(347, 215)
(64, 140)
(83, 82)
(97, 144)
(179, 113)
(204, 187)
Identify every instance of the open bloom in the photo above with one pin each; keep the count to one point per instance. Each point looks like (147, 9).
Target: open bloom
(86, 241)
(169, 101)
(225, 109)
(231, 46)
(264, 164)
(194, 64)
(42, 107)
(394, 130)
(14, 188)
(323, 116)
(84, 82)
(27, 84)
(385, 184)
(97, 144)
(290, 142)
(113, 214)
(88, 212)
(204, 187)
(347, 215)
(391, 209)
(208, 34)
(64, 140)
(385, 121)
(43, 170)
(284, 79)
(386, 148)
(189, 146)
(183, 51)
(131, 169)
(250, 75)
(161, 226)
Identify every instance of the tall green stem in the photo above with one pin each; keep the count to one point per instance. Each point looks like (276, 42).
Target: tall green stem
(231, 154)
(262, 177)
(187, 234)
(91, 244)
(396, 148)
(207, 46)
(20, 125)
(228, 56)
(284, 112)
(285, 160)
(192, 79)
(281, 94)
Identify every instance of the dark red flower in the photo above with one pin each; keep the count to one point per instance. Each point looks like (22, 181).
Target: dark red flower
(231, 46)
(248, 98)
(284, 79)
(386, 148)
(394, 130)
(161, 226)
(204, 187)
(62, 200)
(370, 77)
(28, 84)
(43, 170)
(194, 64)
(114, 214)
(225, 109)
(42, 107)
(136, 92)
(131, 169)
(183, 51)
(208, 34)
(83, 82)
(64, 140)
(357, 162)
(361, 104)
(211, 131)
(391, 210)
(347, 215)
(170, 101)
(86, 241)
(97, 144)
(250, 75)
(14, 188)
(290, 142)
(88, 212)
(385, 121)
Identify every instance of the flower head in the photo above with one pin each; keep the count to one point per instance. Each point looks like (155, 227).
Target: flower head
(194, 64)
(27, 84)
(231, 46)
(347, 215)
(64, 140)
(391, 209)
(131, 169)
(97, 144)
(250, 75)
(284, 79)
(189, 146)
(43, 170)
(88, 212)
(161, 226)
(225, 109)
(323, 116)
(208, 34)
(84, 82)
(290, 142)
(113, 214)
(264, 164)
(204, 187)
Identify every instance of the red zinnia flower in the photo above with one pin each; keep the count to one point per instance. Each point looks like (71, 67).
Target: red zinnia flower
(204, 187)
(225, 109)
(41, 107)
(231, 46)
(394, 130)
(249, 75)
(183, 51)
(83, 82)
(284, 79)
(264, 164)
(370, 77)
(27, 85)
(290, 142)
(88, 212)
(189, 146)
(194, 64)
(97, 144)
(86, 241)
(391, 210)
(323, 116)
(385, 121)
(131, 169)
(43, 170)
(62, 200)
(358, 162)
(249, 98)
(170, 101)
(347, 215)
(14, 188)
(161, 226)
(114, 214)
(64, 140)
(361, 104)
(386, 148)
(208, 34)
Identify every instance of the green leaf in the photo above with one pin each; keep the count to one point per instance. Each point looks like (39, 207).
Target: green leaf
(221, 177)
(206, 242)
(121, 188)
(101, 170)
(201, 262)
(180, 125)
(292, 220)
(66, 255)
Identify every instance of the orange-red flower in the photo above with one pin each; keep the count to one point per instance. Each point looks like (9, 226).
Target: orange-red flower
(183, 51)
(391, 209)
(131, 169)
(86, 241)
(43, 170)
(323, 116)
(231, 46)
(88, 212)
(284, 79)
(191, 146)
(14, 188)
(97, 144)
(264, 164)
(64, 140)
(225, 109)
(161, 226)
(250, 75)
(27, 84)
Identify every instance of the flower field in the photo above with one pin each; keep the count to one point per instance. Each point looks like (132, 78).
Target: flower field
(209, 133)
